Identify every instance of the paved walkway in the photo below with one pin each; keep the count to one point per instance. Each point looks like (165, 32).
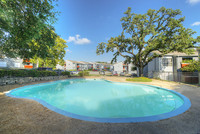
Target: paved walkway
(26, 116)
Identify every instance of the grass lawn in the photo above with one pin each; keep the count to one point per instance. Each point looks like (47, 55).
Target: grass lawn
(94, 74)
(139, 79)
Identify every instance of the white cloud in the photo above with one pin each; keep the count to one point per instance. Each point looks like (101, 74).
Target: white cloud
(193, 1)
(196, 23)
(68, 51)
(78, 40)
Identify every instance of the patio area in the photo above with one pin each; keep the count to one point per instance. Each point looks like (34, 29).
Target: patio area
(28, 116)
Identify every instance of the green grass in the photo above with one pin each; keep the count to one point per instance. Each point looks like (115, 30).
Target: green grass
(94, 74)
(139, 79)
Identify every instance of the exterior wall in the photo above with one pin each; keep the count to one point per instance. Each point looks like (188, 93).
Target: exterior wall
(11, 63)
(157, 69)
(151, 67)
(130, 66)
(195, 58)
(94, 65)
(165, 68)
(179, 60)
(118, 67)
(111, 68)
(60, 67)
(70, 65)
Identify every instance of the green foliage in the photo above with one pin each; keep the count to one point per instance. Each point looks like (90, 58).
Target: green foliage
(24, 22)
(187, 61)
(192, 67)
(139, 79)
(83, 73)
(72, 70)
(56, 54)
(157, 30)
(65, 73)
(26, 73)
(108, 68)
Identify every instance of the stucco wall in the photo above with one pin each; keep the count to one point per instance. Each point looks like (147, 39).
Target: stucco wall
(118, 67)
(11, 63)
(70, 65)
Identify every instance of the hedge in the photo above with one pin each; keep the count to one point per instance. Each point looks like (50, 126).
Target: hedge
(65, 73)
(27, 73)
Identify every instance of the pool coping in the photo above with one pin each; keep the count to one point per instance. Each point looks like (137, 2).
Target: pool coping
(183, 108)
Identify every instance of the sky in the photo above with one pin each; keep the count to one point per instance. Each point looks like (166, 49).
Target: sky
(85, 23)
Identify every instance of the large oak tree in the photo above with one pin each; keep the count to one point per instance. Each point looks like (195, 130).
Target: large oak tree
(25, 21)
(157, 30)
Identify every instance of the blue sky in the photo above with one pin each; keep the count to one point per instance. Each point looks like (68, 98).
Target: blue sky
(85, 23)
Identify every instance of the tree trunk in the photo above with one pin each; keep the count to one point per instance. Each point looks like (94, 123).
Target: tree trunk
(140, 71)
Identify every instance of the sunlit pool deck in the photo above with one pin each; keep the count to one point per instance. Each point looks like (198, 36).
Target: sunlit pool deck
(28, 116)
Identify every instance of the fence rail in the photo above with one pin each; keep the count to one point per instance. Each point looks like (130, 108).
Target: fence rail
(185, 77)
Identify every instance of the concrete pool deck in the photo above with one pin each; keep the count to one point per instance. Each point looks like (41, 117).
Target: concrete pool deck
(28, 116)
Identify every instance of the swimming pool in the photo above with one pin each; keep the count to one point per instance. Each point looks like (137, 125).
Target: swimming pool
(104, 101)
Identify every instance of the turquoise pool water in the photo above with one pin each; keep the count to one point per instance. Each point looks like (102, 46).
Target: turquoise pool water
(91, 99)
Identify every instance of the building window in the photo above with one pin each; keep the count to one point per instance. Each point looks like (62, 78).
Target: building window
(187, 58)
(167, 61)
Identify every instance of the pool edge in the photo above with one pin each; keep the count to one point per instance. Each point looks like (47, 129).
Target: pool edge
(183, 108)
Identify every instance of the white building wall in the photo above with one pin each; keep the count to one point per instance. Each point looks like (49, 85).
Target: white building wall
(60, 67)
(151, 67)
(166, 68)
(118, 67)
(70, 65)
(12, 63)
(195, 58)
(130, 66)
(157, 69)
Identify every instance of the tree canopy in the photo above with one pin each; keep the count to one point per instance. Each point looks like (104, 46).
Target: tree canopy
(23, 22)
(157, 30)
(192, 67)
(55, 54)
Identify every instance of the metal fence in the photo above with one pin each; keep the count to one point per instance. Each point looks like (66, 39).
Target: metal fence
(184, 77)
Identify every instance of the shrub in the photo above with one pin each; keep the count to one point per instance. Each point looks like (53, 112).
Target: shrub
(65, 73)
(187, 61)
(83, 73)
(26, 73)
(192, 67)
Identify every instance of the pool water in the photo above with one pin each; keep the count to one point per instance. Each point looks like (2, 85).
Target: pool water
(102, 101)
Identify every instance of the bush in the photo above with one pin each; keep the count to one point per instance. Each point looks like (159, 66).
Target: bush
(83, 73)
(26, 73)
(65, 73)
(192, 67)
(187, 61)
